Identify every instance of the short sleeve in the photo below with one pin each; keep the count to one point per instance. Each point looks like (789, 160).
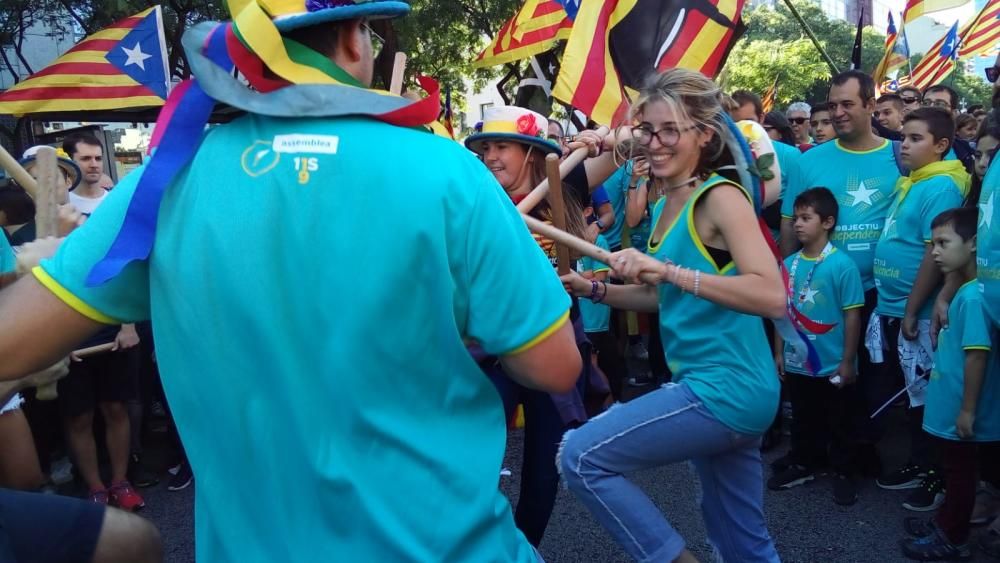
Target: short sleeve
(975, 326)
(510, 308)
(599, 197)
(594, 265)
(123, 299)
(852, 293)
(7, 261)
(792, 188)
(940, 198)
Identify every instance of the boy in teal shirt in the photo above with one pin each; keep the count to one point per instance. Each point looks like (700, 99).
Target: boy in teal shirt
(826, 287)
(907, 280)
(596, 318)
(960, 397)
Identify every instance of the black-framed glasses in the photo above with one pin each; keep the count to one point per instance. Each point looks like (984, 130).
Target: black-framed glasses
(668, 136)
(992, 73)
(936, 103)
(768, 127)
(798, 120)
(378, 42)
(908, 100)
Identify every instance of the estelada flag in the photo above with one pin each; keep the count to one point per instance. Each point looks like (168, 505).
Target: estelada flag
(534, 29)
(916, 8)
(897, 52)
(121, 66)
(977, 36)
(616, 44)
(938, 63)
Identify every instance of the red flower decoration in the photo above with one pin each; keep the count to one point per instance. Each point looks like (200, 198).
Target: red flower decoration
(526, 125)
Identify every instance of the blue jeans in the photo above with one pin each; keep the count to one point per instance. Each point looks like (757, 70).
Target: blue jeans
(666, 426)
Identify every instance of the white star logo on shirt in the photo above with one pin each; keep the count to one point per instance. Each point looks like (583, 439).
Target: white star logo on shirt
(809, 296)
(136, 56)
(862, 194)
(987, 210)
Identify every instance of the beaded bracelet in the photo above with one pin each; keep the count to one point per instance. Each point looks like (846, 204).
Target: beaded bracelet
(697, 282)
(593, 290)
(603, 294)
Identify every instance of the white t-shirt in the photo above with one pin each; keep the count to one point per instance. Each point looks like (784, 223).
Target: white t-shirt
(86, 205)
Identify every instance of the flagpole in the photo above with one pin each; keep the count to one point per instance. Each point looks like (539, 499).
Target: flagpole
(812, 36)
(909, 63)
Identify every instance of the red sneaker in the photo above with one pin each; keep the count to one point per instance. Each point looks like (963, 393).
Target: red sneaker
(124, 497)
(99, 496)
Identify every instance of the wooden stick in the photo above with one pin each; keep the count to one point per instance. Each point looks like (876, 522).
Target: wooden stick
(18, 173)
(398, 70)
(581, 246)
(46, 222)
(94, 350)
(558, 209)
(571, 162)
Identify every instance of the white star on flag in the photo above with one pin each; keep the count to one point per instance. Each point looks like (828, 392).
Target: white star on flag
(136, 56)
(809, 296)
(987, 210)
(862, 194)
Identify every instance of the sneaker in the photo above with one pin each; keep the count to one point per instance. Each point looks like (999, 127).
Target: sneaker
(184, 478)
(62, 471)
(987, 506)
(845, 492)
(638, 351)
(919, 527)
(929, 496)
(138, 474)
(642, 380)
(794, 476)
(907, 477)
(935, 548)
(99, 496)
(124, 497)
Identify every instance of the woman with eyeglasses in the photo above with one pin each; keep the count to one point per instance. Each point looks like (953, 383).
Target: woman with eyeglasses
(711, 277)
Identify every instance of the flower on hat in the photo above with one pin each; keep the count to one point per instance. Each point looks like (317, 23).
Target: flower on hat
(526, 126)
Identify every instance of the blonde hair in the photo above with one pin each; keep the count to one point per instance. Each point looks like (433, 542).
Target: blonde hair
(693, 97)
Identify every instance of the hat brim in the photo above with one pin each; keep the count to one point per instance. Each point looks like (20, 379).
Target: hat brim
(474, 142)
(68, 166)
(369, 10)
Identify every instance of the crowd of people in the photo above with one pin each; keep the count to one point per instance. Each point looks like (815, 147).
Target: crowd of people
(868, 284)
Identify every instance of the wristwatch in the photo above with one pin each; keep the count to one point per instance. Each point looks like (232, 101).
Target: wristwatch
(635, 187)
(600, 224)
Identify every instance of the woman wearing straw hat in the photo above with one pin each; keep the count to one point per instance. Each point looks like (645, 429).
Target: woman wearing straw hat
(513, 143)
(716, 277)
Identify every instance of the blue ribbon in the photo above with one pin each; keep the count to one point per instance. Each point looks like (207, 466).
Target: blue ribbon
(180, 141)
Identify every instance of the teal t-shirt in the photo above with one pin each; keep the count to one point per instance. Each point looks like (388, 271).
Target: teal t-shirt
(309, 305)
(7, 261)
(617, 186)
(863, 183)
(988, 243)
(968, 329)
(722, 355)
(905, 236)
(835, 287)
(596, 316)
(788, 160)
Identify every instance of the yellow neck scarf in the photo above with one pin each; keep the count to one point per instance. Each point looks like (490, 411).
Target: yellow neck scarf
(951, 168)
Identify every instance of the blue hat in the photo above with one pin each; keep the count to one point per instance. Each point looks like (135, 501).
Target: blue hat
(293, 14)
(63, 160)
(512, 123)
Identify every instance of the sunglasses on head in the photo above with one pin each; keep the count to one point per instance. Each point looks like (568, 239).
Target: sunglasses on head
(992, 73)
(798, 120)
(909, 100)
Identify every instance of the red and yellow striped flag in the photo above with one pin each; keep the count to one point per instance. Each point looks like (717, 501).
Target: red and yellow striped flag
(979, 35)
(616, 44)
(916, 8)
(770, 96)
(121, 66)
(534, 29)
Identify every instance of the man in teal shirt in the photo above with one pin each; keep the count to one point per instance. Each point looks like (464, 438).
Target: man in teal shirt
(322, 388)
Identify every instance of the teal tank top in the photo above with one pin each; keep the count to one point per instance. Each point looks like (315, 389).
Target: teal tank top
(721, 355)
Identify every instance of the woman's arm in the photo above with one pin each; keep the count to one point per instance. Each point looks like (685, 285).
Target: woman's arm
(639, 298)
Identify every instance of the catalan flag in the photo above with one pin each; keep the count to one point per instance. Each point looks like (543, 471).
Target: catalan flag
(770, 96)
(938, 63)
(616, 44)
(897, 52)
(534, 29)
(978, 35)
(916, 8)
(121, 66)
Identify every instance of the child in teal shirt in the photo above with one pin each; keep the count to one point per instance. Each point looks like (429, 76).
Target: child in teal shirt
(907, 281)
(960, 396)
(826, 287)
(597, 323)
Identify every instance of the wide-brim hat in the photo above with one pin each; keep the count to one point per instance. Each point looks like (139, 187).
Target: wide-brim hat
(62, 160)
(293, 14)
(511, 123)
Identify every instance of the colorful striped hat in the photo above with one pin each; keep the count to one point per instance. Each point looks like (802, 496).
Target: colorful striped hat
(512, 123)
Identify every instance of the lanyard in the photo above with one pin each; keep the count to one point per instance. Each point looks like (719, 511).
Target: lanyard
(809, 277)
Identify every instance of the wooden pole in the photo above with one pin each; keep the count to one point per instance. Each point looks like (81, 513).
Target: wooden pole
(571, 162)
(18, 173)
(94, 350)
(398, 71)
(581, 246)
(558, 208)
(46, 221)
(812, 36)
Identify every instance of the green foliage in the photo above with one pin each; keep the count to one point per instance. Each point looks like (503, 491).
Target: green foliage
(754, 65)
